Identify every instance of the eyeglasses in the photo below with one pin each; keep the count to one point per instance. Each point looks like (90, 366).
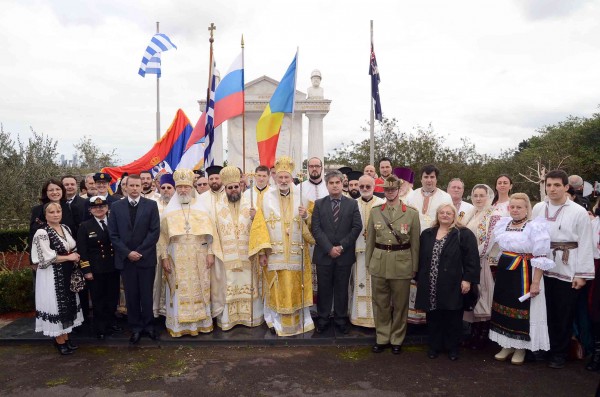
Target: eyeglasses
(166, 187)
(234, 187)
(202, 184)
(365, 186)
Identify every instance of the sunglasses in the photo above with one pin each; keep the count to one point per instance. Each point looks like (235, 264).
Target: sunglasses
(166, 187)
(202, 184)
(234, 187)
(365, 186)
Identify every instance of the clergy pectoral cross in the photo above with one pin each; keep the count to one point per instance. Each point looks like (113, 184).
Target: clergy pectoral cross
(272, 220)
(187, 227)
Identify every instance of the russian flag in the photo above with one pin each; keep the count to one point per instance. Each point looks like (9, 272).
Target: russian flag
(169, 148)
(229, 103)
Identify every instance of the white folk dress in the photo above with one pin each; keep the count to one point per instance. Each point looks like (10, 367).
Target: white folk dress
(508, 314)
(57, 308)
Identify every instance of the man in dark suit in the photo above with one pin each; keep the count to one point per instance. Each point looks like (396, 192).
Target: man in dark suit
(98, 266)
(134, 228)
(335, 225)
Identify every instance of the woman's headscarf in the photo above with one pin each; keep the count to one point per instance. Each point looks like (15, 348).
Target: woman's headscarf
(473, 217)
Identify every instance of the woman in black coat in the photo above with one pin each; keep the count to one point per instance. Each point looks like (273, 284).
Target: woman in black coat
(448, 266)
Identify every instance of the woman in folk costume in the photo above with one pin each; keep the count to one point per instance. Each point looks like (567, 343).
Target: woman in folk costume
(57, 308)
(519, 309)
(480, 221)
(279, 238)
(188, 252)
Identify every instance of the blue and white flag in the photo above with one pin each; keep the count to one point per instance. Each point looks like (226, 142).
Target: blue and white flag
(209, 128)
(151, 60)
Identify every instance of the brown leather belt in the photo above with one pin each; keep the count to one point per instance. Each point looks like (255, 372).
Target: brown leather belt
(565, 247)
(392, 247)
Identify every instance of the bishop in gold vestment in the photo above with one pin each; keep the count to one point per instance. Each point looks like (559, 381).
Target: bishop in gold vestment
(187, 251)
(243, 304)
(278, 238)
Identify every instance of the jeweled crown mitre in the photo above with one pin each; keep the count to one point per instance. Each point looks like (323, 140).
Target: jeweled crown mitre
(285, 164)
(183, 177)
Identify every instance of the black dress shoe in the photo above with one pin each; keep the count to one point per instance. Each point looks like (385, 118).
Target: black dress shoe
(63, 349)
(377, 348)
(153, 335)
(453, 355)
(344, 329)
(396, 349)
(321, 328)
(100, 336)
(431, 353)
(135, 338)
(557, 362)
(115, 328)
(71, 345)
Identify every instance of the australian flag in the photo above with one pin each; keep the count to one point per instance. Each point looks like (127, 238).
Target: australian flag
(374, 72)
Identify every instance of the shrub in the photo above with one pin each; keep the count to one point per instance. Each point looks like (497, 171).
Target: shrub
(16, 290)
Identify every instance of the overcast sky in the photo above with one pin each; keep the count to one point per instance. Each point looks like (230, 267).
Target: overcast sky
(492, 71)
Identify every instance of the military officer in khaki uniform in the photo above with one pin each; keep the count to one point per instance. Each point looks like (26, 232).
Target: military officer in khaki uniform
(392, 258)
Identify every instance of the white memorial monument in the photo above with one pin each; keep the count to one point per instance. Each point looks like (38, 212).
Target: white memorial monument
(258, 92)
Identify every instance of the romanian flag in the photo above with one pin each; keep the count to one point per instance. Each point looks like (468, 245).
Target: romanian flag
(269, 124)
(168, 149)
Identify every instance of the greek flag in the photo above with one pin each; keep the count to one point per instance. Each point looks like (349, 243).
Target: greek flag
(151, 60)
(209, 128)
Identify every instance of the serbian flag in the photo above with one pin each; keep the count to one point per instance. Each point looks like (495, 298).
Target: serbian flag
(269, 124)
(167, 151)
(228, 103)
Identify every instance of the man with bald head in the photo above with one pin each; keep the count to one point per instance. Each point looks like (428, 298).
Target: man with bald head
(576, 182)
(370, 171)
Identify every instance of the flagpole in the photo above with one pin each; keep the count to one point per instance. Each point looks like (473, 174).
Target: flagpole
(372, 119)
(211, 28)
(243, 114)
(294, 110)
(157, 99)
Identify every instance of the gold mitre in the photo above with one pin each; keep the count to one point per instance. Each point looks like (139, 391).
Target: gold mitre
(230, 174)
(183, 177)
(285, 164)
(392, 182)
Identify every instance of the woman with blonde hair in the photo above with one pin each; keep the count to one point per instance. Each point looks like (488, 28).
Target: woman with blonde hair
(481, 222)
(518, 320)
(57, 308)
(448, 268)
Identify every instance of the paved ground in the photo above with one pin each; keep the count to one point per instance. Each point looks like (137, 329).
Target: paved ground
(170, 370)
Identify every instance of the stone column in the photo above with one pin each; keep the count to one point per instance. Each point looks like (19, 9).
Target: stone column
(316, 146)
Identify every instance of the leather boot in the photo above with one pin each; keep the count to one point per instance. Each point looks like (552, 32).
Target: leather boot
(483, 338)
(475, 332)
(594, 363)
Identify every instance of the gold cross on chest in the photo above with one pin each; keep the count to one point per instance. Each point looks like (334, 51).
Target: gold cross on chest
(272, 220)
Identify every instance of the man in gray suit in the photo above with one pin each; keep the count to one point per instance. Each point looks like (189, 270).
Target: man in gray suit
(335, 225)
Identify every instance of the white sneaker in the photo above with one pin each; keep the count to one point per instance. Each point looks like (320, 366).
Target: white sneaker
(519, 357)
(504, 354)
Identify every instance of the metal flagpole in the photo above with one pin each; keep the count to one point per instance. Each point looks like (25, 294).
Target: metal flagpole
(294, 109)
(211, 28)
(372, 120)
(243, 114)
(157, 99)
(300, 176)
(252, 270)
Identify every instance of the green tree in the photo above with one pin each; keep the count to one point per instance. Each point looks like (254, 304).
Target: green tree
(91, 158)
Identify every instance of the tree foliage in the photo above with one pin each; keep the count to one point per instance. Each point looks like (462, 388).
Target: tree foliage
(572, 144)
(26, 165)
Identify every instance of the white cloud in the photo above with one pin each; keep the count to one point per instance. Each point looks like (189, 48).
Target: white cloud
(493, 72)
